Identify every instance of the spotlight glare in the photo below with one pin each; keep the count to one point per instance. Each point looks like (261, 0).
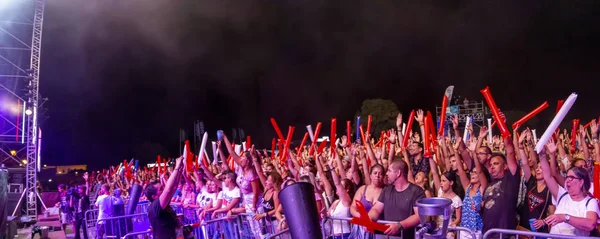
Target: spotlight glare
(28, 112)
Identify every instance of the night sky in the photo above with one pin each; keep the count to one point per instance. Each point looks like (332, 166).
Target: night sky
(124, 76)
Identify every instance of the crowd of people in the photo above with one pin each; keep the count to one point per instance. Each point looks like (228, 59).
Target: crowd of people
(498, 183)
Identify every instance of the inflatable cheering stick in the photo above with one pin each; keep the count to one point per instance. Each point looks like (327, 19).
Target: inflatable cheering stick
(365, 221)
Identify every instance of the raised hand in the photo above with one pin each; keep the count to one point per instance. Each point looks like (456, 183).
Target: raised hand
(419, 117)
(399, 121)
(85, 176)
(392, 137)
(416, 137)
(344, 141)
(594, 128)
(581, 130)
(483, 131)
(454, 120)
(496, 140)
(472, 144)
(523, 136)
(551, 146)
(179, 161)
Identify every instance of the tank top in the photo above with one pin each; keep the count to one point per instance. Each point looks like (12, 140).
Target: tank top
(470, 211)
(368, 205)
(342, 211)
(268, 205)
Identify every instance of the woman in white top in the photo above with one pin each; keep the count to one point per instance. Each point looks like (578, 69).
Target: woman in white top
(341, 208)
(576, 213)
(447, 188)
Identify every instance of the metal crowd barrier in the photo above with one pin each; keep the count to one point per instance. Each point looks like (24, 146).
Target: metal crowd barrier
(493, 233)
(327, 229)
(90, 218)
(145, 234)
(117, 227)
(356, 231)
(280, 235)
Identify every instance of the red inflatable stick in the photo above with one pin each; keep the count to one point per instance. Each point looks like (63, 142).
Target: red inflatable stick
(158, 162)
(369, 121)
(314, 143)
(205, 161)
(528, 116)
(333, 135)
(557, 131)
(348, 135)
(407, 134)
(277, 130)
(288, 141)
(273, 144)
(432, 137)
(302, 144)
(322, 146)
(189, 162)
(447, 96)
(248, 143)
(559, 105)
(427, 152)
(596, 179)
(574, 135)
(365, 143)
(492, 104)
(365, 221)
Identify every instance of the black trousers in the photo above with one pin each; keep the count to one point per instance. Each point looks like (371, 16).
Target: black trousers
(78, 223)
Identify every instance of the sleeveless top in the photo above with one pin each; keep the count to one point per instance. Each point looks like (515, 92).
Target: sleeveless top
(470, 211)
(342, 211)
(268, 205)
(368, 205)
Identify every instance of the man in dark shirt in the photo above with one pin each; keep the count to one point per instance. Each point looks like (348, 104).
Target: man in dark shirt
(500, 198)
(80, 202)
(417, 162)
(397, 202)
(162, 217)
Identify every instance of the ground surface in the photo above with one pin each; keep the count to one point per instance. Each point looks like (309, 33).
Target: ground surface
(52, 221)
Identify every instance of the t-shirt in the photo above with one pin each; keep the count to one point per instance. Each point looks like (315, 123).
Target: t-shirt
(163, 221)
(81, 204)
(398, 206)
(204, 198)
(500, 202)
(456, 203)
(64, 203)
(104, 205)
(421, 166)
(574, 209)
(536, 204)
(228, 195)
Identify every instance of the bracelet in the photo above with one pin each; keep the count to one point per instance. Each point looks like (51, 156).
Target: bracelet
(420, 123)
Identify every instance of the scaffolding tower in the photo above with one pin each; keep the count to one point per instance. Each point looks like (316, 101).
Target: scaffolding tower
(21, 24)
(478, 111)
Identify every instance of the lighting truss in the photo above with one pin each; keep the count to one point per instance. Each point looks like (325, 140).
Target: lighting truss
(21, 24)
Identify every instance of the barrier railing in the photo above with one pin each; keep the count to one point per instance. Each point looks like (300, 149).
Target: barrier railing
(90, 218)
(338, 227)
(132, 235)
(493, 233)
(221, 226)
(280, 235)
(117, 227)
